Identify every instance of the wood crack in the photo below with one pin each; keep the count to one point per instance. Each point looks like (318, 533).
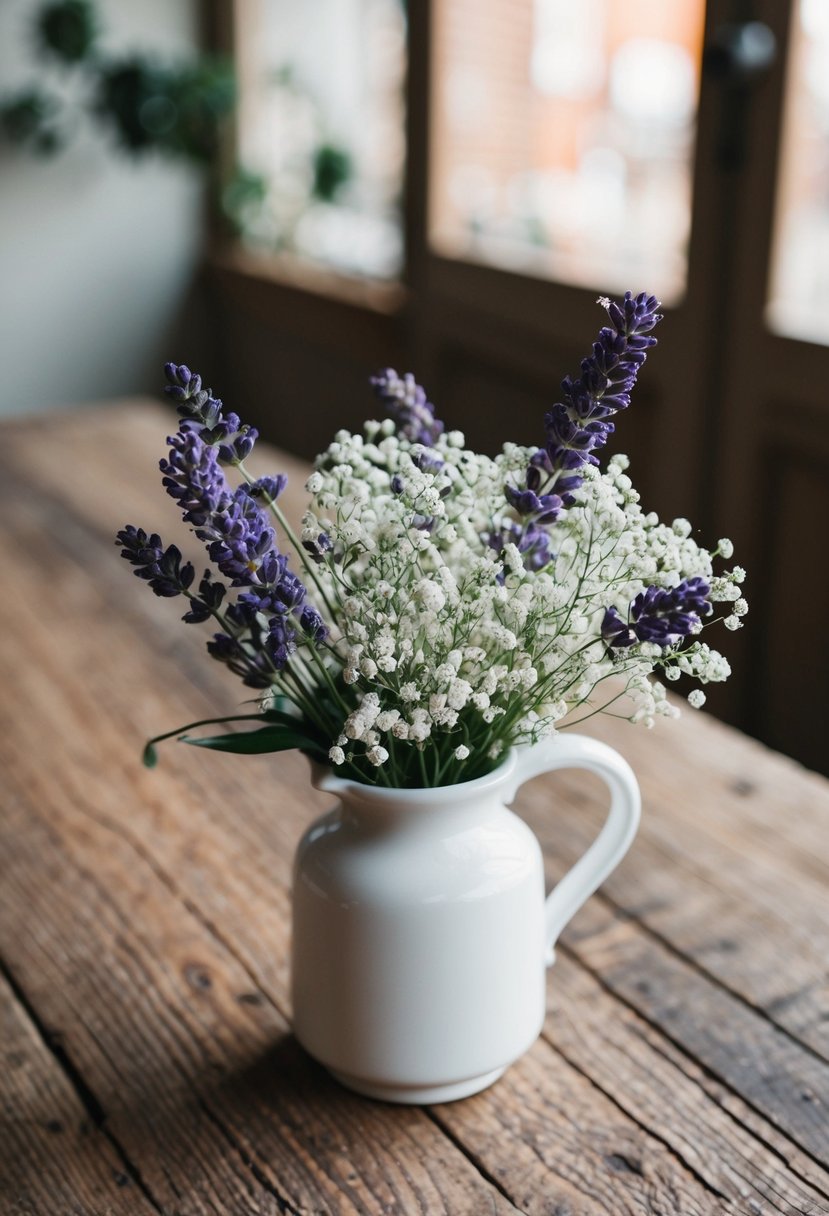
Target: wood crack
(473, 1158)
(285, 1207)
(86, 1097)
(767, 1145)
(689, 961)
(766, 1012)
(622, 1161)
(700, 1064)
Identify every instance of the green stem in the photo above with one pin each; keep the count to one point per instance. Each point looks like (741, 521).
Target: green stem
(149, 747)
(301, 556)
(599, 710)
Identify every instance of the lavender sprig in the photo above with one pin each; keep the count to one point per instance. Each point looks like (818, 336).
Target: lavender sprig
(234, 527)
(160, 566)
(578, 424)
(207, 602)
(202, 412)
(659, 614)
(261, 629)
(233, 441)
(408, 405)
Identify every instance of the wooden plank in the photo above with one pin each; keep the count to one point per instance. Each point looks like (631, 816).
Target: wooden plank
(115, 704)
(664, 1089)
(550, 1136)
(750, 801)
(710, 904)
(194, 1070)
(53, 1158)
(771, 1071)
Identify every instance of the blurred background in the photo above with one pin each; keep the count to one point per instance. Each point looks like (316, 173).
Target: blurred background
(287, 196)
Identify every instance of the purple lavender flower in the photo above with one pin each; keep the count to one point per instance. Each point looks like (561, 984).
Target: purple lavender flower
(161, 567)
(579, 424)
(192, 477)
(313, 625)
(207, 602)
(408, 405)
(202, 412)
(659, 614)
(322, 548)
(261, 633)
(544, 508)
(193, 403)
(532, 542)
(280, 642)
(269, 488)
(233, 525)
(240, 539)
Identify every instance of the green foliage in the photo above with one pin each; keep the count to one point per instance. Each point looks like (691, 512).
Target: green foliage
(333, 169)
(67, 30)
(177, 109)
(244, 194)
(281, 732)
(31, 119)
(259, 742)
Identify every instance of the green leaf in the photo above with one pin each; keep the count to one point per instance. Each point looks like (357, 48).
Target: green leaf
(281, 718)
(276, 738)
(150, 755)
(67, 28)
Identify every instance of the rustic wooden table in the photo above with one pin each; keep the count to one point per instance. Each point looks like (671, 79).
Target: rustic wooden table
(147, 1058)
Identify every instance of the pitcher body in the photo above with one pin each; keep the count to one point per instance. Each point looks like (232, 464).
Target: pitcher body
(421, 932)
(418, 967)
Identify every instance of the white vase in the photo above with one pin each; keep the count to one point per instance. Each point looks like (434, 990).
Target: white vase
(420, 927)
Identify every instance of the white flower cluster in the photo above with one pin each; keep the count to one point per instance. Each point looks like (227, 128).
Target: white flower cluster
(451, 636)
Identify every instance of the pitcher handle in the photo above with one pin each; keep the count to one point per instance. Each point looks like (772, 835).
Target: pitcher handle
(615, 838)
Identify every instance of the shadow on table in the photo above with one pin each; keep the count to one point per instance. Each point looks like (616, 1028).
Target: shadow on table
(285, 1112)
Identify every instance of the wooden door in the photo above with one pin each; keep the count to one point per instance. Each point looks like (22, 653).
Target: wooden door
(706, 431)
(771, 483)
(728, 422)
(493, 341)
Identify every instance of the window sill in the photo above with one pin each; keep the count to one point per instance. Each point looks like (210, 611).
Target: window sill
(292, 275)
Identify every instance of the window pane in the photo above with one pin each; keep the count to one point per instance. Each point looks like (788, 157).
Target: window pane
(322, 121)
(800, 259)
(563, 135)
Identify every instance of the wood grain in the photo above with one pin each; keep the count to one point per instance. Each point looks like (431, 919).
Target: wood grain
(53, 1157)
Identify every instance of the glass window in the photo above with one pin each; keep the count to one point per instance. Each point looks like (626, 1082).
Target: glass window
(799, 292)
(562, 137)
(321, 131)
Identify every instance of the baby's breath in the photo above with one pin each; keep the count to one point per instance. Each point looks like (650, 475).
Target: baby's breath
(456, 649)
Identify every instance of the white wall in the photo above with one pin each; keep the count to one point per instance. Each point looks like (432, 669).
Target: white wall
(97, 251)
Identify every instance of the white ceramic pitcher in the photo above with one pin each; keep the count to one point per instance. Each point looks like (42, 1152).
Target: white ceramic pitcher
(420, 927)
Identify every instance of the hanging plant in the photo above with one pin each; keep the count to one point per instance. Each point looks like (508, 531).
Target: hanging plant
(178, 109)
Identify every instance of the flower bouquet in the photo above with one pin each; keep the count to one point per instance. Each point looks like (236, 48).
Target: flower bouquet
(438, 606)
